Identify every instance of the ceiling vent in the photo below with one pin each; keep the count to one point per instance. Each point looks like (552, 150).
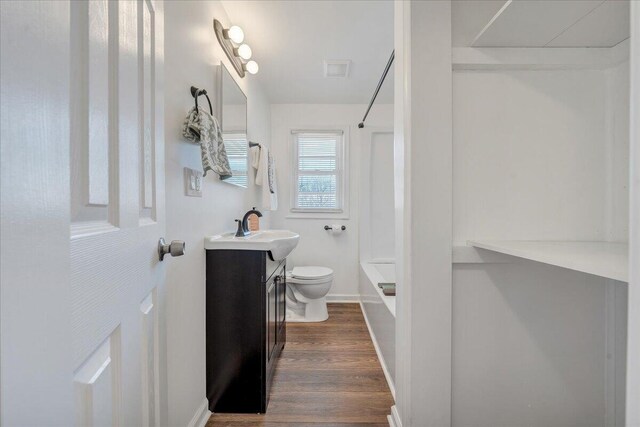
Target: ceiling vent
(334, 68)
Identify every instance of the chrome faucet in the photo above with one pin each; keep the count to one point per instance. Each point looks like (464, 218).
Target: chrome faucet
(243, 228)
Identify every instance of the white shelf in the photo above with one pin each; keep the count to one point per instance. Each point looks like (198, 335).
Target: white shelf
(605, 259)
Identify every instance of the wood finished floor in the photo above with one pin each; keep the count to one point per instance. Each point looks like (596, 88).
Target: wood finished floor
(328, 375)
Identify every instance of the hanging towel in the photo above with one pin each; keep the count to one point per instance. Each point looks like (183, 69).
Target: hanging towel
(202, 128)
(266, 178)
(271, 173)
(263, 164)
(255, 156)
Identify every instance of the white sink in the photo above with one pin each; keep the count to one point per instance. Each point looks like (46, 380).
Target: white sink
(279, 242)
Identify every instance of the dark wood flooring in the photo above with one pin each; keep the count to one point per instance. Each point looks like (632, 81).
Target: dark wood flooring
(328, 375)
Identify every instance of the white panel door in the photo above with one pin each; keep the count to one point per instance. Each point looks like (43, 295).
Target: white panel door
(117, 211)
(633, 331)
(82, 158)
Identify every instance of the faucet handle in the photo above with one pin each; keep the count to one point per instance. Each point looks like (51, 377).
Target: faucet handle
(240, 232)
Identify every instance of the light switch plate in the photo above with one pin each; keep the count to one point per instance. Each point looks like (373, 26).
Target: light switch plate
(192, 182)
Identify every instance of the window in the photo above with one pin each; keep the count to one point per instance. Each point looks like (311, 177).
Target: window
(319, 184)
(237, 150)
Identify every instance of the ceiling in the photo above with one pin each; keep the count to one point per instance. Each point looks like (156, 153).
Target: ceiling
(291, 39)
(470, 17)
(540, 23)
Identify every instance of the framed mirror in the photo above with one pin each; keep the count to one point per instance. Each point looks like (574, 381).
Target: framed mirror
(233, 119)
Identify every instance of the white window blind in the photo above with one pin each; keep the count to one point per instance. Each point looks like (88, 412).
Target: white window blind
(236, 145)
(318, 178)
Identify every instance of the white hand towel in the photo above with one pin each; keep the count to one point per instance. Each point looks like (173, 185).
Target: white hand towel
(255, 157)
(263, 165)
(266, 178)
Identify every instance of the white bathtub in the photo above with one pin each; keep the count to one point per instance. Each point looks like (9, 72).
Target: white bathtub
(378, 272)
(380, 313)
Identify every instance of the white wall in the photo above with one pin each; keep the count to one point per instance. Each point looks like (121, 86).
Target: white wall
(318, 247)
(617, 153)
(541, 155)
(191, 53)
(529, 155)
(633, 353)
(423, 192)
(377, 226)
(528, 346)
(538, 155)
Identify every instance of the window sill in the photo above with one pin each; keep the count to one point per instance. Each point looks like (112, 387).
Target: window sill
(318, 215)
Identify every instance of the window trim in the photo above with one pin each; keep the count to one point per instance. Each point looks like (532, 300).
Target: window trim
(342, 175)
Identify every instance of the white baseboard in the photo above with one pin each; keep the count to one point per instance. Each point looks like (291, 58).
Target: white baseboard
(394, 418)
(347, 298)
(387, 375)
(201, 416)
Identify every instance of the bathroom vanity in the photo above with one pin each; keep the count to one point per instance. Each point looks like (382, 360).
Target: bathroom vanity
(245, 327)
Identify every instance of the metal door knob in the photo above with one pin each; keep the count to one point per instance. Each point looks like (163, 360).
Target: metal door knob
(175, 248)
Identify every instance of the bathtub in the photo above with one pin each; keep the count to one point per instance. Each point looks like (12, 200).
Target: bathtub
(380, 313)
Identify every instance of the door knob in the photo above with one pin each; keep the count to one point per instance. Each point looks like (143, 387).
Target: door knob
(175, 248)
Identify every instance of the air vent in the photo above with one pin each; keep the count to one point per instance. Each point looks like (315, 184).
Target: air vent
(336, 68)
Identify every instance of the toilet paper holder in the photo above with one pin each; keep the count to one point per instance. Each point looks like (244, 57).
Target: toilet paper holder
(328, 227)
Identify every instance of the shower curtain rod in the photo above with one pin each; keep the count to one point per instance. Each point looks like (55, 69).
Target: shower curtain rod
(375, 93)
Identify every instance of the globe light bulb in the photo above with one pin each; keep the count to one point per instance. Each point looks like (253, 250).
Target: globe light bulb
(236, 34)
(251, 67)
(244, 51)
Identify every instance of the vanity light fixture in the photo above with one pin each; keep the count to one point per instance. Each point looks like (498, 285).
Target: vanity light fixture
(243, 51)
(251, 67)
(231, 39)
(235, 34)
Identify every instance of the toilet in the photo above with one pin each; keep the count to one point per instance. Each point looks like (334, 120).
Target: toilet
(307, 288)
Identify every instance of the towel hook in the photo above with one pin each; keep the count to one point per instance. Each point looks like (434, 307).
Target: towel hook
(196, 92)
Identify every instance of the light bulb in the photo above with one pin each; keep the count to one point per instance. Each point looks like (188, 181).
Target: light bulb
(244, 51)
(236, 34)
(251, 67)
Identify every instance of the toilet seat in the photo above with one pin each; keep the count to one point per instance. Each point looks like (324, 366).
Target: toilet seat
(311, 273)
(319, 281)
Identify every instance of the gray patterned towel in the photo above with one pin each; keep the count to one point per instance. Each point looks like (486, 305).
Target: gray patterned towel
(202, 128)
(271, 170)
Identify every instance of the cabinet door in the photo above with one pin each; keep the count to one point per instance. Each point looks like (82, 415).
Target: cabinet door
(271, 317)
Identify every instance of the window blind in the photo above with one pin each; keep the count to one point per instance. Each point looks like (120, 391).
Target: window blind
(237, 152)
(318, 178)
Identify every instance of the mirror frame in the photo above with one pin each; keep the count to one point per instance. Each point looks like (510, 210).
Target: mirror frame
(222, 68)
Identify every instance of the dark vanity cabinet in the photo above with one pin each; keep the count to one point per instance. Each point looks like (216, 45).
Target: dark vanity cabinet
(245, 328)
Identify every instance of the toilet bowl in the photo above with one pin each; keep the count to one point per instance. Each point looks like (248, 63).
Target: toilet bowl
(307, 288)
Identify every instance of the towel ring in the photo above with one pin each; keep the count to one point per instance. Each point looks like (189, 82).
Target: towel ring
(195, 92)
